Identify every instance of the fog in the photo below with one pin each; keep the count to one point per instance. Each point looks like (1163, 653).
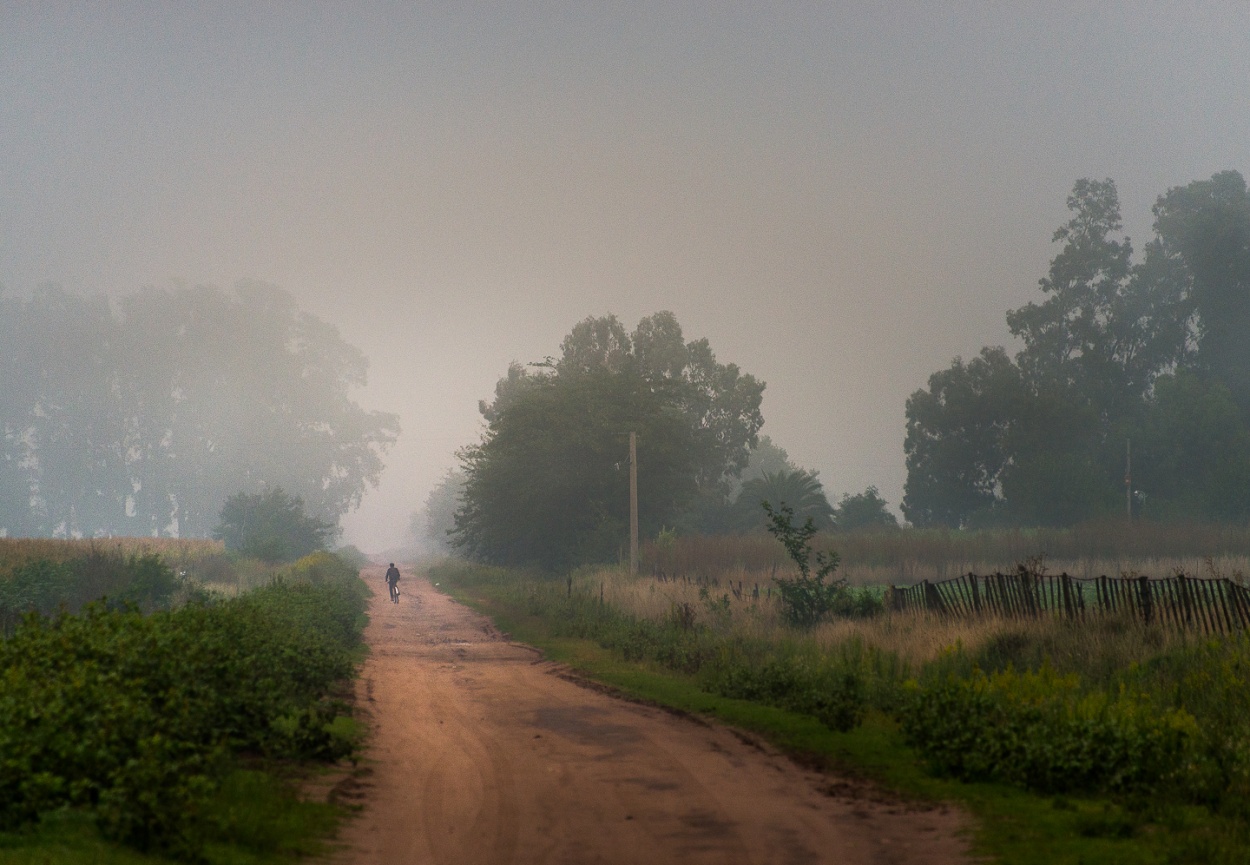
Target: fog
(841, 200)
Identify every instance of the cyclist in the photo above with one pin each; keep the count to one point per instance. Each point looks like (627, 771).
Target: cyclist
(392, 580)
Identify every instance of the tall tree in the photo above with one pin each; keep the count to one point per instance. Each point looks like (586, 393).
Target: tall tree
(1206, 226)
(1109, 354)
(434, 523)
(549, 482)
(172, 403)
(956, 444)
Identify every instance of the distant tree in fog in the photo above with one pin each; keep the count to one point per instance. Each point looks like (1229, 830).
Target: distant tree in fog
(145, 419)
(866, 510)
(437, 519)
(767, 457)
(549, 483)
(1153, 351)
(799, 490)
(271, 526)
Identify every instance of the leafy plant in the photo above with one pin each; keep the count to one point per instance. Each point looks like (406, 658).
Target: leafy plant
(807, 598)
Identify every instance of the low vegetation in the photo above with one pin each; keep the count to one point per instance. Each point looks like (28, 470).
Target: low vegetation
(162, 721)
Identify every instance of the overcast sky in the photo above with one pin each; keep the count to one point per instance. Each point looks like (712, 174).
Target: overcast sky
(840, 197)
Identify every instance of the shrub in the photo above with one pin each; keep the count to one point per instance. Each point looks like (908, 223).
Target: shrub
(832, 693)
(272, 527)
(1038, 730)
(805, 599)
(135, 717)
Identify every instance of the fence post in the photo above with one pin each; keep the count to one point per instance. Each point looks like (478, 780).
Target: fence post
(1182, 587)
(1144, 599)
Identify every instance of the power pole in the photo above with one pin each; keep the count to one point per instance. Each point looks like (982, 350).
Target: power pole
(1128, 478)
(633, 502)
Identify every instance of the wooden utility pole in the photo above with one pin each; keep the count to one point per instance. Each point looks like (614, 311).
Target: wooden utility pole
(1128, 478)
(633, 502)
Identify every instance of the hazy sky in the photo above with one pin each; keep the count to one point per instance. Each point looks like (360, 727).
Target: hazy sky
(841, 197)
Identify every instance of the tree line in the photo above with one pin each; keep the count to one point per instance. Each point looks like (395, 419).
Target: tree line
(1124, 353)
(144, 415)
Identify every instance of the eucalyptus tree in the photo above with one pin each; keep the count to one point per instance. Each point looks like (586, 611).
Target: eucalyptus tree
(1117, 350)
(144, 417)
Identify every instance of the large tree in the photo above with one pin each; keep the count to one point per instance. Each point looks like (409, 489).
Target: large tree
(549, 483)
(143, 419)
(1117, 350)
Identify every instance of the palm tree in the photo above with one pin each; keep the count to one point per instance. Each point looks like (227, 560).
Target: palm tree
(799, 489)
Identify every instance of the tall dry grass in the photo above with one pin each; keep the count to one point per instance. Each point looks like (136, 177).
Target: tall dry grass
(177, 553)
(908, 556)
(915, 638)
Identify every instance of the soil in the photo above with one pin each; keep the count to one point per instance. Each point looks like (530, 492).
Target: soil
(484, 752)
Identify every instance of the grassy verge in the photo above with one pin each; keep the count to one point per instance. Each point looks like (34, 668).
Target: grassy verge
(259, 820)
(1012, 825)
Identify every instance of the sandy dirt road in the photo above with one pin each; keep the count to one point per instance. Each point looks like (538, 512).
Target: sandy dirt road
(485, 753)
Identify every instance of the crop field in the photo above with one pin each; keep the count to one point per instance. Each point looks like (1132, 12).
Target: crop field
(176, 552)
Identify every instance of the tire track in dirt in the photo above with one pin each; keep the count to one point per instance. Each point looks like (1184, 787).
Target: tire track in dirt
(484, 753)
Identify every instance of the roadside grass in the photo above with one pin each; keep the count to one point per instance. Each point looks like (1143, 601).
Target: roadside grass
(1012, 825)
(259, 817)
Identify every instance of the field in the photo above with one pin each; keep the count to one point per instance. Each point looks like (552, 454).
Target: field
(908, 556)
(177, 553)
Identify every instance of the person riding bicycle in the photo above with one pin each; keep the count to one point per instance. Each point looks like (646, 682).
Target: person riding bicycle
(392, 580)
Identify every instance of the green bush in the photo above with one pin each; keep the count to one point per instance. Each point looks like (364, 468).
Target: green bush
(136, 717)
(44, 586)
(832, 693)
(1038, 730)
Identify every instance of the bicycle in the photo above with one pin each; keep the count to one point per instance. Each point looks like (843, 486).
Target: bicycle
(394, 593)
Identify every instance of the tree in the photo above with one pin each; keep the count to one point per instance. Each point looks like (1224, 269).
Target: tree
(171, 402)
(1113, 352)
(435, 522)
(766, 457)
(956, 444)
(800, 491)
(548, 484)
(715, 511)
(1192, 452)
(866, 510)
(271, 526)
(1205, 227)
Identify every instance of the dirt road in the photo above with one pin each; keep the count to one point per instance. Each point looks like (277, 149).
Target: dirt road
(485, 753)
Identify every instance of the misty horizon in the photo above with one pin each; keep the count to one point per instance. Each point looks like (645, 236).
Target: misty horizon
(841, 202)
